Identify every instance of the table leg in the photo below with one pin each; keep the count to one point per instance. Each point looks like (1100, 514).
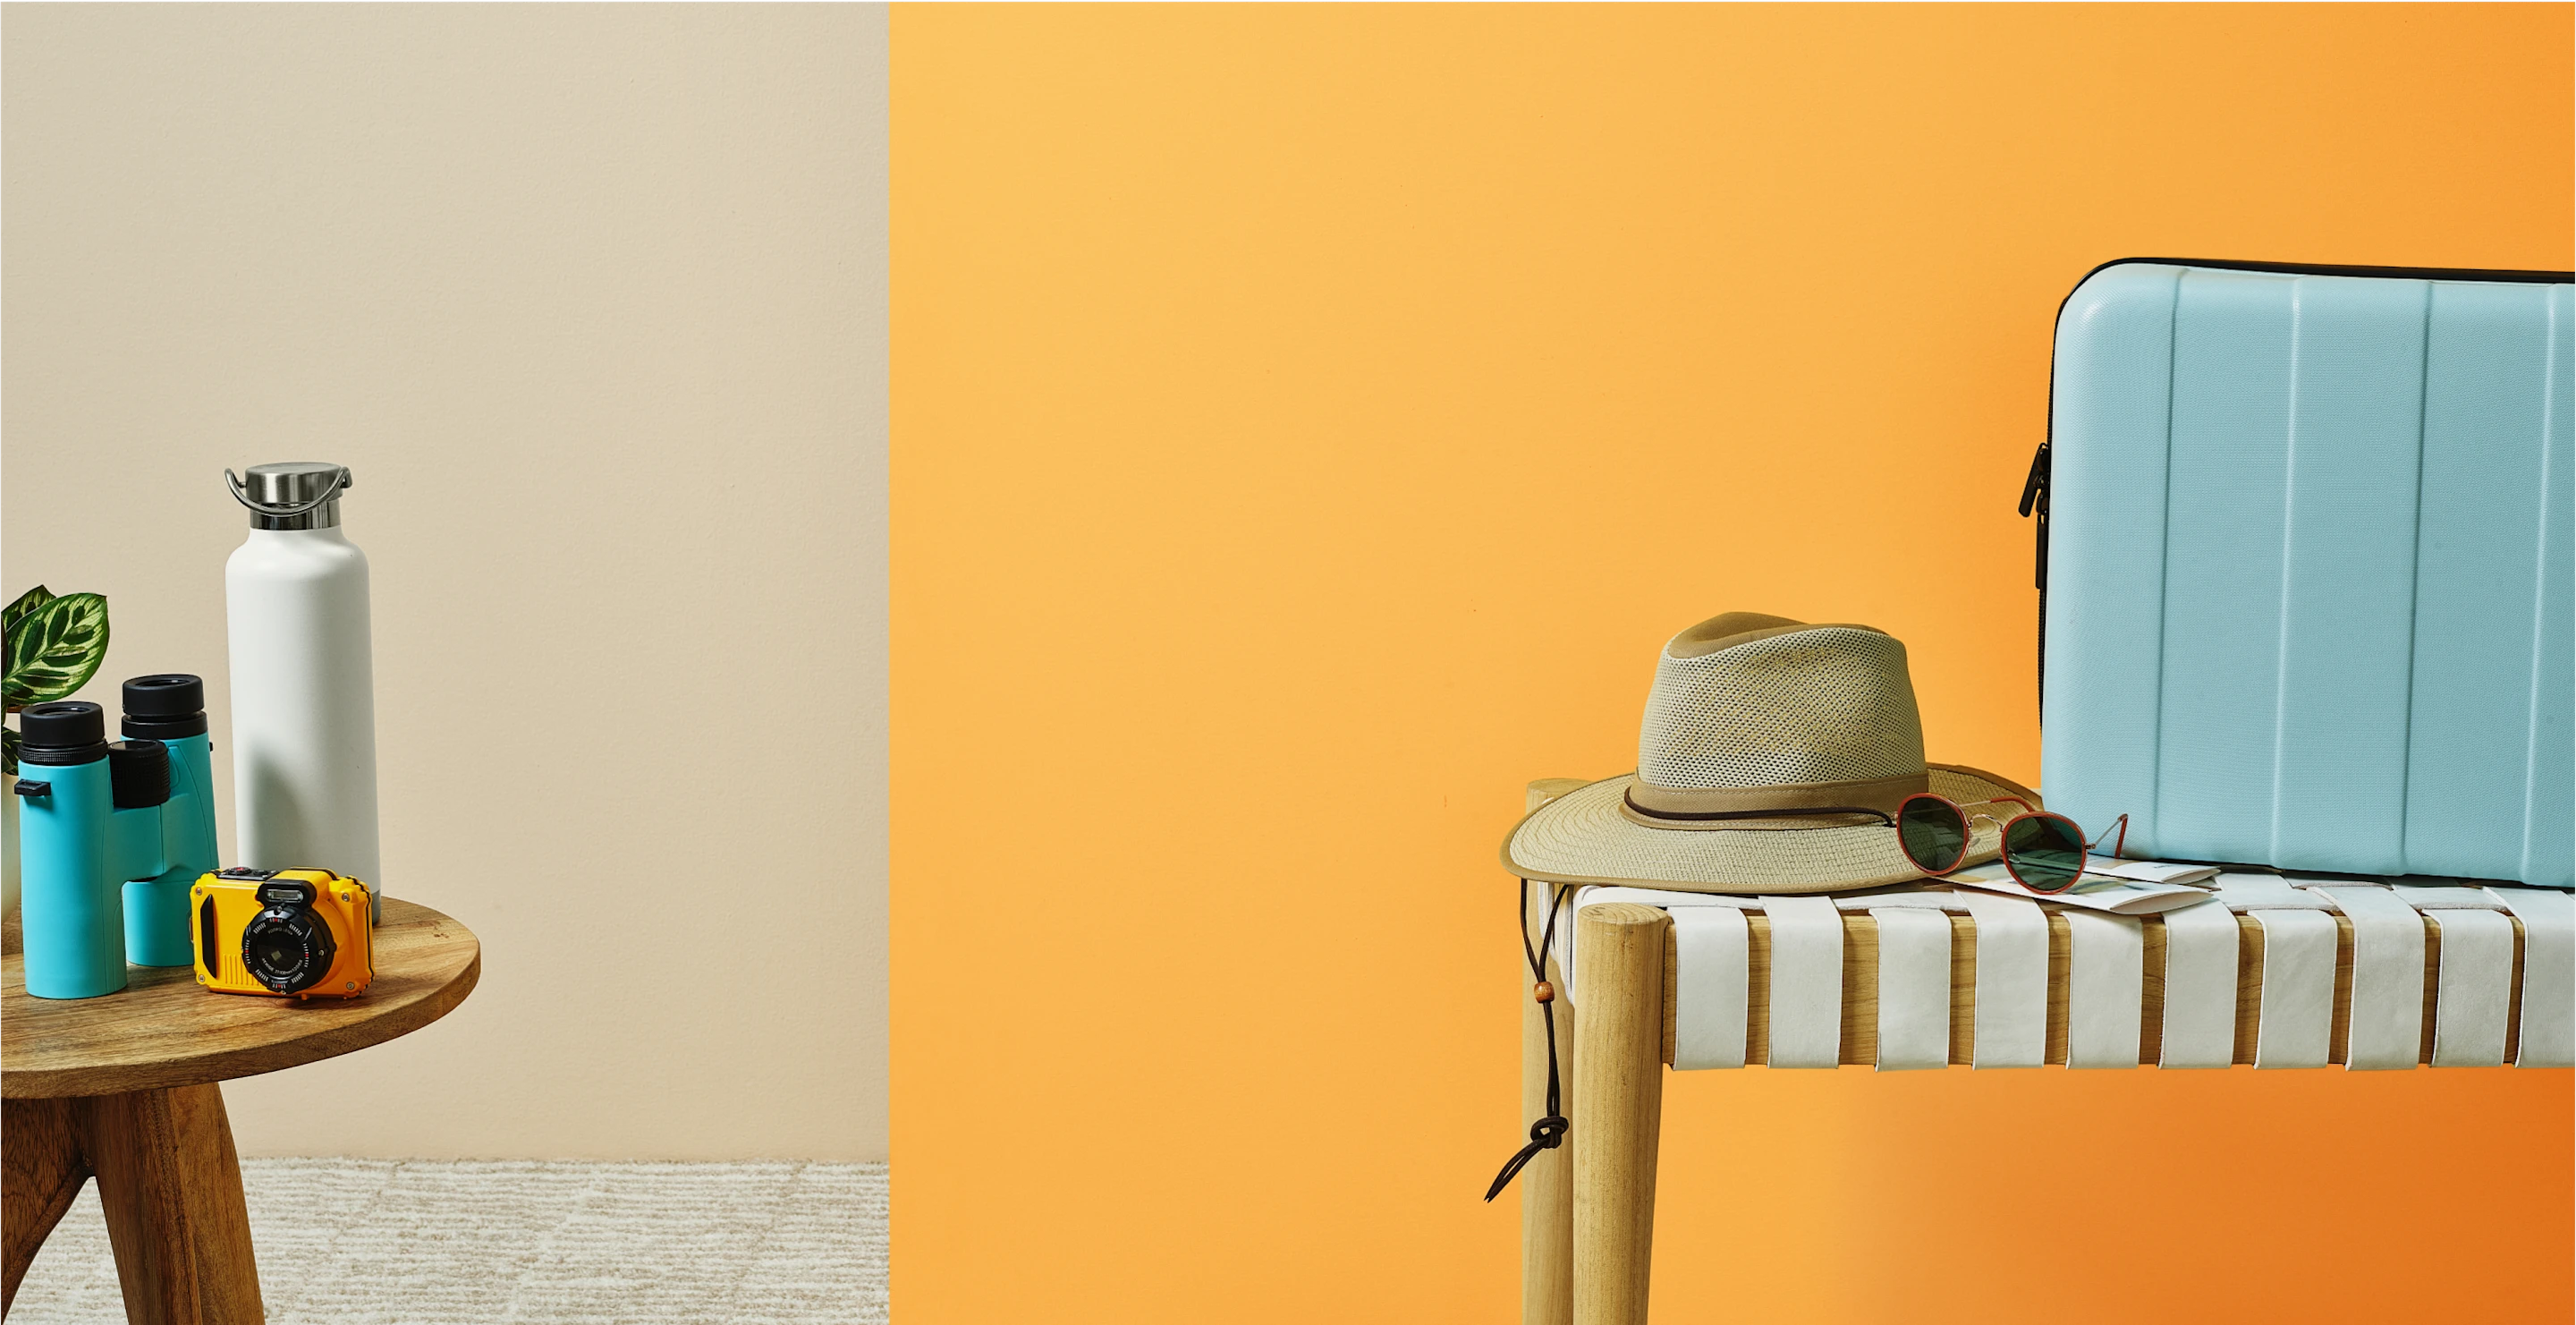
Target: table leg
(1619, 1076)
(41, 1170)
(171, 1185)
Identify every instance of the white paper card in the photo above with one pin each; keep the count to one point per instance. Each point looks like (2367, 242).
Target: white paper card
(2474, 992)
(2548, 975)
(2298, 989)
(1913, 988)
(2093, 892)
(2012, 981)
(2386, 1029)
(2106, 975)
(1710, 985)
(1806, 981)
(2151, 871)
(2200, 986)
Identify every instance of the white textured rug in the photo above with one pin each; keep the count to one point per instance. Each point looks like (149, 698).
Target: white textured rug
(383, 1242)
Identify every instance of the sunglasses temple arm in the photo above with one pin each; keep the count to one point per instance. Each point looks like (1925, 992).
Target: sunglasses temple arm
(2120, 843)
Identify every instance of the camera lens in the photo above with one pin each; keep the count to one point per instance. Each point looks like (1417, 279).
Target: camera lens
(287, 948)
(277, 954)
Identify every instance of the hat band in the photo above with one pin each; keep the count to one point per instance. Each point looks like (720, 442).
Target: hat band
(1739, 820)
(1885, 794)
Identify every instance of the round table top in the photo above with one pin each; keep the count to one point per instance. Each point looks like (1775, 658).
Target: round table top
(164, 1030)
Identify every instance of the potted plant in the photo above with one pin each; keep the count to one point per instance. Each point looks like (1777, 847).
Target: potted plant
(55, 642)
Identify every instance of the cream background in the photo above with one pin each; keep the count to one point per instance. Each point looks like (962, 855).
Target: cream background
(592, 299)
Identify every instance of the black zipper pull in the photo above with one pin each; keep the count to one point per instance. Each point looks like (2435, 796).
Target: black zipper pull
(2035, 489)
(2034, 498)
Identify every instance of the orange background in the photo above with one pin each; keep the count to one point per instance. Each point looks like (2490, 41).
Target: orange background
(1307, 425)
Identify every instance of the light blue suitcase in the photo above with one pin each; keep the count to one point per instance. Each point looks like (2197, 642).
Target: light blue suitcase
(2308, 595)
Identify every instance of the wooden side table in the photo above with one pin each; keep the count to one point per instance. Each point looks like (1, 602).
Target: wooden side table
(122, 1088)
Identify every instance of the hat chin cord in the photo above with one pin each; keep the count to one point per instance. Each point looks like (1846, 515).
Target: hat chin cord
(1549, 1132)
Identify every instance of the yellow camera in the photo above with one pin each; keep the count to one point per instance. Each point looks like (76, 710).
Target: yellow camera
(285, 933)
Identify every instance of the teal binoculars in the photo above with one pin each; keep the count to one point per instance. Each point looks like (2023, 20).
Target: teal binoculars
(112, 836)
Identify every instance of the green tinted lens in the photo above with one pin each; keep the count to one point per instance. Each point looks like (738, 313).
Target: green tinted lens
(2045, 852)
(1933, 832)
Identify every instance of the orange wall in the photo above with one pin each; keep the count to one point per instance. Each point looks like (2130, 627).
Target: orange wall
(1307, 425)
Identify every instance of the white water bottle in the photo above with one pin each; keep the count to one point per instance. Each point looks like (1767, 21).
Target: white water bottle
(303, 679)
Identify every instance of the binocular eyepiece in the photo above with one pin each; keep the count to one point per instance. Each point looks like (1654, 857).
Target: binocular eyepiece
(67, 731)
(112, 834)
(71, 732)
(160, 707)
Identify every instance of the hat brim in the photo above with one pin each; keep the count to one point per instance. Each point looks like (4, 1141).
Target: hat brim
(1582, 837)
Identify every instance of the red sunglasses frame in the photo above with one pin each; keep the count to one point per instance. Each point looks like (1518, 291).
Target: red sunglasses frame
(1967, 825)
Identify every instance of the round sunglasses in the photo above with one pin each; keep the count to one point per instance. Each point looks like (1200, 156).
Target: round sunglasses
(2045, 852)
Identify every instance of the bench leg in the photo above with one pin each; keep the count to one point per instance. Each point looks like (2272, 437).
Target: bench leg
(1547, 1184)
(1619, 1076)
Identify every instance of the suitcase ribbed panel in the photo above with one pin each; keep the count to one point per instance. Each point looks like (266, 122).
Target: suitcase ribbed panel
(2310, 572)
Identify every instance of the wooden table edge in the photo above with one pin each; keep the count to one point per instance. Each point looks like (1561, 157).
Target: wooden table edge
(419, 996)
(37, 1083)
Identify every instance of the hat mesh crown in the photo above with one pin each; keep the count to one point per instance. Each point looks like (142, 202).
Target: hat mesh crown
(1831, 704)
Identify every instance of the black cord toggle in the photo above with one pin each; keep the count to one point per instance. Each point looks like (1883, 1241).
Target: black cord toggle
(1546, 1134)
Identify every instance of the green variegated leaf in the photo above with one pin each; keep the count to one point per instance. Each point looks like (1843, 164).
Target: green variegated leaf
(27, 602)
(55, 649)
(8, 754)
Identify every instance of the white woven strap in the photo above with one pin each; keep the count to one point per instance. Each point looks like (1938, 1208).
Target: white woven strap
(2106, 972)
(2474, 990)
(2200, 986)
(2385, 1031)
(2548, 975)
(2012, 980)
(1913, 988)
(1806, 981)
(2265, 892)
(1711, 980)
(2474, 986)
(2298, 988)
(2427, 897)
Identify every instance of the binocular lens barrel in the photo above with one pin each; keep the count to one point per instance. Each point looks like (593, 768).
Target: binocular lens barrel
(138, 774)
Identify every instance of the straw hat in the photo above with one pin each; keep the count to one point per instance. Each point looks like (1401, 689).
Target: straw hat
(1757, 729)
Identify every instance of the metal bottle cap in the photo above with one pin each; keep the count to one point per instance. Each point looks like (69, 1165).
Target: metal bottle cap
(292, 494)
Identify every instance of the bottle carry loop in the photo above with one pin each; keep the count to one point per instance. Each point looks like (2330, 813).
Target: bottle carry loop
(286, 510)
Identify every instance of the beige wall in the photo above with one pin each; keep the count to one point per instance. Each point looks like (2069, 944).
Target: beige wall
(592, 299)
